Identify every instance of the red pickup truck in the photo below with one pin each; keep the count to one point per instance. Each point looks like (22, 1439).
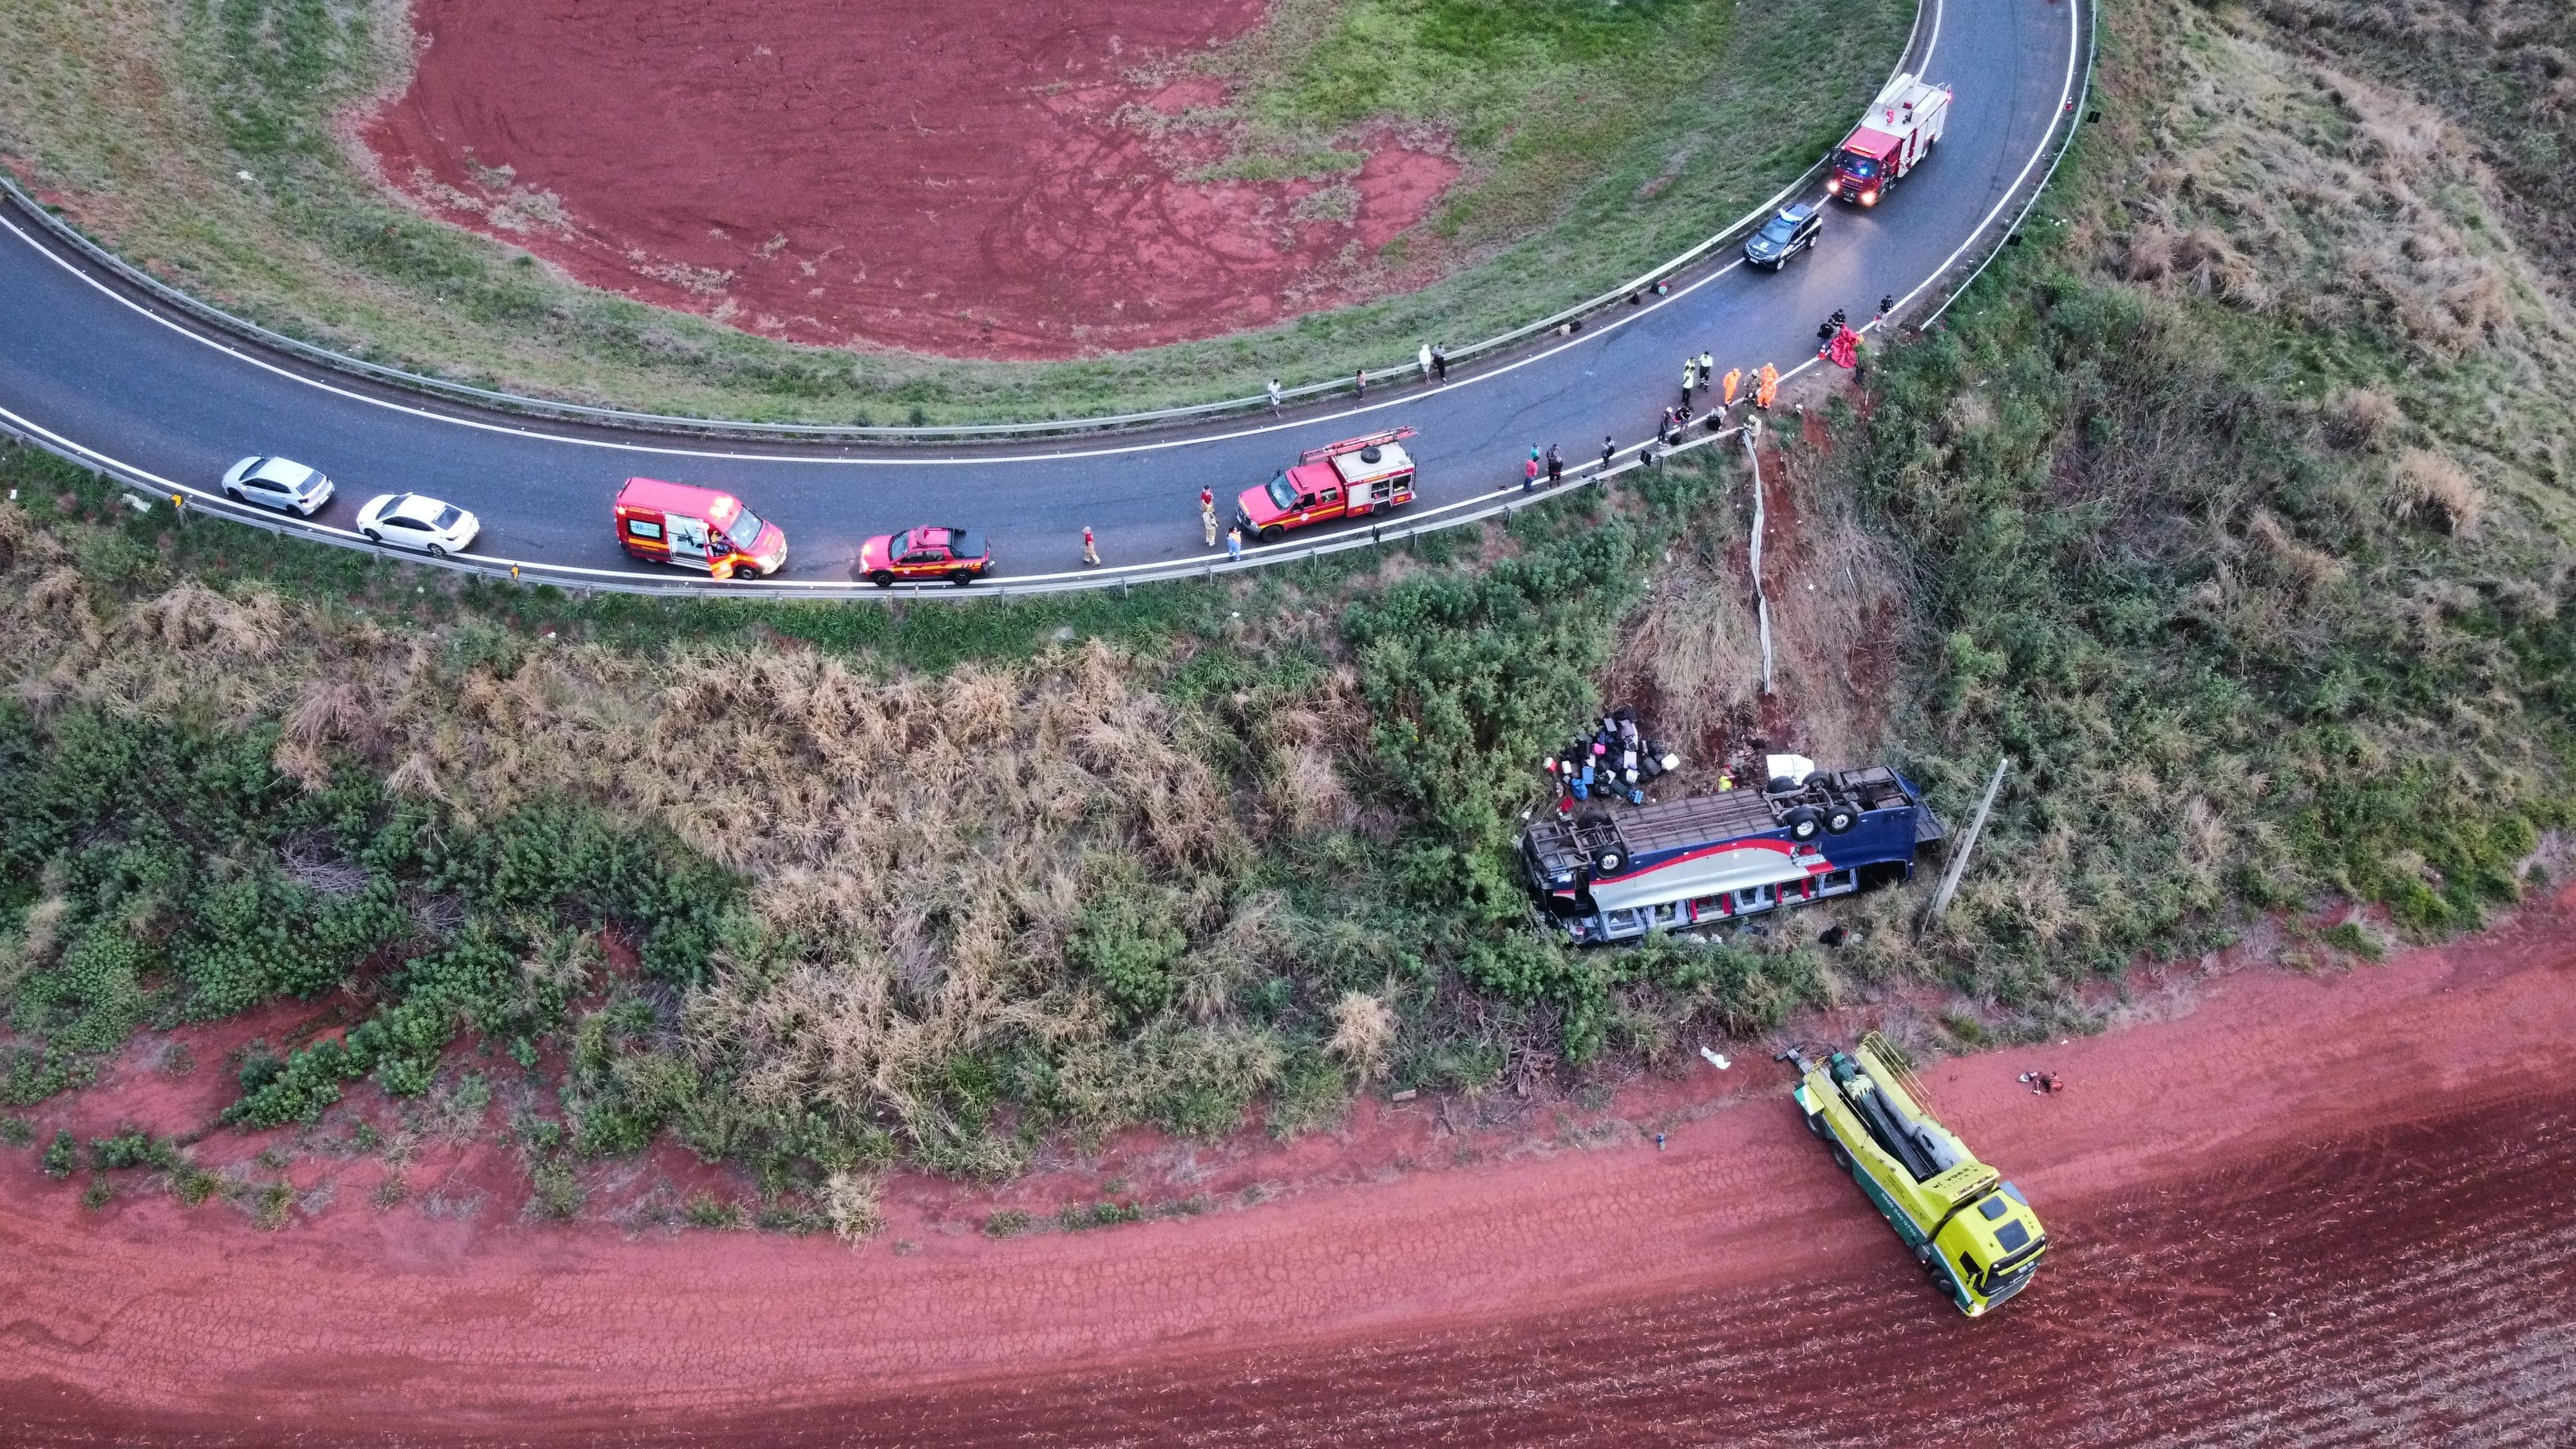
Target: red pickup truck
(1349, 479)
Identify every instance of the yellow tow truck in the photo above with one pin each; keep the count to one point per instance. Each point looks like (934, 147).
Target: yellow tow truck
(1970, 1229)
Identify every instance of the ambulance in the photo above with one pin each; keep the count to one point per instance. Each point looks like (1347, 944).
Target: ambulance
(697, 528)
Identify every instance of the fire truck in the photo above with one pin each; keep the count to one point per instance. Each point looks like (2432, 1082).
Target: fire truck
(1890, 141)
(1702, 861)
(1349, 479)
(1968, 1226)
(697, 528)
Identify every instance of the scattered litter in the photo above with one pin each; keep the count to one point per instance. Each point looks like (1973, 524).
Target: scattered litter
(1614, 762)
(1404, 1096)
(137, 504)
(246, 176)
(1715, 1060)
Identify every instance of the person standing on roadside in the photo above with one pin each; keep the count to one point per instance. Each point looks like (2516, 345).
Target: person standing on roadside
(1690, 376)
(1090, 552)
(1726, 389)
(1423, 358)
(1555, 466)
(1529, 472)
(1707, 367)
(1274, 397)
(1766, 387)
(1609, 450)
(1440, 365)
(1234, 545)
(1207, 514)
(1359, 382)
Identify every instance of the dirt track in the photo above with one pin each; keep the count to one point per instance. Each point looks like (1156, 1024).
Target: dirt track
(2315, 1210)
(970, 178)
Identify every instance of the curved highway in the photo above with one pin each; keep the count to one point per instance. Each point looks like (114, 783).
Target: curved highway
(87, 367)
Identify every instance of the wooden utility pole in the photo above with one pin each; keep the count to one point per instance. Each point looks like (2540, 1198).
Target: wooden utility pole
(1967, 844)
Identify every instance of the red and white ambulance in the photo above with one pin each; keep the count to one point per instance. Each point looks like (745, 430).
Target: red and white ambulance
(1349, 479)
(1890, 141)
(697, 528)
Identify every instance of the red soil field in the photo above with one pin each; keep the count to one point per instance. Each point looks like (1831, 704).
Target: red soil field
(970, 178)
(2299, 1209)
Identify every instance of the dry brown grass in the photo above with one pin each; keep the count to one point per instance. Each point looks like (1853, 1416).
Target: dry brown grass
(920, 843)
(2429, 487)
(1363, 1032)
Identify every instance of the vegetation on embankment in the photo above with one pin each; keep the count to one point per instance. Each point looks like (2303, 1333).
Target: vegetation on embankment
(2236, 512)
(208, 142)
(898, 890)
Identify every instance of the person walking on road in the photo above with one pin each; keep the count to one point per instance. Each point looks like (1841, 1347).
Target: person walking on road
(1440, 365)
(1690, 376)
(1707, 367)
(1207, 515)
(1234, 545)
(1274, 397)
(1090, 552)
(1726, 388)
(1555, 466)
(1424, 359)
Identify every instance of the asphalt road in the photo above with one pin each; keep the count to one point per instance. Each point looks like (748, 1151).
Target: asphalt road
(83, 360)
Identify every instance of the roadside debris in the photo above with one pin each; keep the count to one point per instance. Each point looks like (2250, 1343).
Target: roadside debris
(1614, 762)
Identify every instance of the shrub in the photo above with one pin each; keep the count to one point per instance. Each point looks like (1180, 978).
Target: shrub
(61, 1156)
(1126, 940)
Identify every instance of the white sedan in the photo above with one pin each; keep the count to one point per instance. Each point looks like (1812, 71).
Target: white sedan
(417, 521)
(279, 483)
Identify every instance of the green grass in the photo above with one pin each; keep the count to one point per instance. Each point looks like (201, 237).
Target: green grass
(1599, 138)
(2156, 567)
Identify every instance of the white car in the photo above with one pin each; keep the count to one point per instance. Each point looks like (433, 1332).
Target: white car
(279, 483)
(418, 521)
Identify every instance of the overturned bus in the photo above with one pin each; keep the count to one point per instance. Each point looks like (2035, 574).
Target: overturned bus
(1697, 862)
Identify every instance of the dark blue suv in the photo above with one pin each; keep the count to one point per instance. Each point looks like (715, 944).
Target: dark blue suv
(1784, 236)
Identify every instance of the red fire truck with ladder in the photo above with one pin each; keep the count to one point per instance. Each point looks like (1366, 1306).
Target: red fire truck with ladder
(1349, 479)
(1890, 141)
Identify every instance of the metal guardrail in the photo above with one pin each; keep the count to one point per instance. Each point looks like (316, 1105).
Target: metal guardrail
(296, 347)
(183, 499)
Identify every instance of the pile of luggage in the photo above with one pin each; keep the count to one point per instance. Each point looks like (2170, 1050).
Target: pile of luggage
(1613, 763)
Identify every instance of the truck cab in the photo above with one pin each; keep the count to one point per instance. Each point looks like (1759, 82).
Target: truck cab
(1971, 1231)
(1349, 479)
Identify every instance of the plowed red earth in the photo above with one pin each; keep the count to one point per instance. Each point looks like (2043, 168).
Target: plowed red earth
(2311, 1210)
(972, 177)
